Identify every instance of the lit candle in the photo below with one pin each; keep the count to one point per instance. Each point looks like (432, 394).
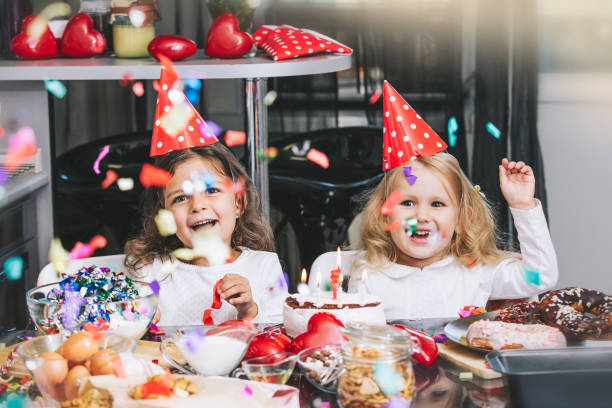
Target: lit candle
(302, 288)
(335, 275)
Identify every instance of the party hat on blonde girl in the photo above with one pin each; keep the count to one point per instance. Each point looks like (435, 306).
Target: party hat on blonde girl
(406, 136)
(178, 125)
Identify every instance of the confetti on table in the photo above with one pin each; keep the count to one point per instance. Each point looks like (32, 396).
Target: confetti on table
(318, 157)
(375, 96)
(394, 225)
(389, 206)
(452, 128)
(235, 138)
(493, 130)
(55, 88)
(103, 152)
(440, 338)
(466, 376)
(111, 177)
(246, 391)
(154, 176)
(138, 88)
(165, 222)
(532, 277)
(125, 184)
(270, 98)
(13, 268)
(409, 176)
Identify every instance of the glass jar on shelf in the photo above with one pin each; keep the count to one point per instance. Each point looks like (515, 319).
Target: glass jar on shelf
(377, 366)
(99, 11)
(133, 27)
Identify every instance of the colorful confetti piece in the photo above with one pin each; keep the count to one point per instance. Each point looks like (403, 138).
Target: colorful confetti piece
(214, 128)
(154, 285)
(389, 380)
(532, 277)
(55, 88)
(409, 176)
(318, 157)
(55, 9)
(247, 391)
(268, 154)
(125, 79)
(138, 89)
(492, 129)
(394, 225)
(466, 375)
(235, 138)
(176, 119)
(375, 96)
(13, 268)
(165, 222)
(110, 178)
(103, 152)
(389, 206)
(452, 128)
(153, 176)
(270, 98)
(125, 184)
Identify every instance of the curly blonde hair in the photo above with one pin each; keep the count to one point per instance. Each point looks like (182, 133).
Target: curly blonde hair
(475, 237)
(251, 231)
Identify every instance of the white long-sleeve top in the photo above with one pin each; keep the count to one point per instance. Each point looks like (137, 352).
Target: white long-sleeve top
(187, 291)
(444, 287)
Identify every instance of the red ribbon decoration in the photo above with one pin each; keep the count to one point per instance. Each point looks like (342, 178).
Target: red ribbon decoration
(216, 304)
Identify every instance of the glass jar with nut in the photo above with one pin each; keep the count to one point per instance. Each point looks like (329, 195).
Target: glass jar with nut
(377, 366)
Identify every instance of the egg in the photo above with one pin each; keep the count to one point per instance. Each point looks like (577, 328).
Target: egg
(72, 383)
(79, 346)
(102, 362)
(53, 369)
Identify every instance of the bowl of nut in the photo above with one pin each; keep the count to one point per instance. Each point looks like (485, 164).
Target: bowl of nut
(321, 366)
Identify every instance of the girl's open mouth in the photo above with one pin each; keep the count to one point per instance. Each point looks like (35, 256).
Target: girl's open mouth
(420, 236)
(204, 223)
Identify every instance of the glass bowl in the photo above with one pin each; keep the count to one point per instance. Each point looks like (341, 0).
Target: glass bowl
(59, 378)
(129, 318)
(273, 368)
(321, 366)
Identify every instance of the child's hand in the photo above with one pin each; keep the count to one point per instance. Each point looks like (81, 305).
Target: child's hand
(237, 291)
(517, 184)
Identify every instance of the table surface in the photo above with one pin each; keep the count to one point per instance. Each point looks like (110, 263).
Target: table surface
(438, 385)
(105, 68)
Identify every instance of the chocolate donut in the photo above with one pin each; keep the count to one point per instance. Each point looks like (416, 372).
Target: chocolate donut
(523, 313)
(567, 309)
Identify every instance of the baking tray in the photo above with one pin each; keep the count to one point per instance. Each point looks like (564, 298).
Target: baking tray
(570, 377)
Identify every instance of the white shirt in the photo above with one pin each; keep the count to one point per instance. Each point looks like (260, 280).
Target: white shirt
(187, 291)
(444, 287)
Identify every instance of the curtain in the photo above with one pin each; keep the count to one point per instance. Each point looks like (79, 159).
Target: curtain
(506, 100)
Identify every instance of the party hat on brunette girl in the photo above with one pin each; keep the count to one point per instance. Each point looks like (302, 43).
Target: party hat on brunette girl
(178, 125)
(406, 136)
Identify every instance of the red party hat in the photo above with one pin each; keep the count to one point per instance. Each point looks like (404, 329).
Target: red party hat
(406, 136)
(178, 125)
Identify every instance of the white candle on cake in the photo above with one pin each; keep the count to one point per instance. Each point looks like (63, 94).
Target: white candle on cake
(361, 289)
(302, 288)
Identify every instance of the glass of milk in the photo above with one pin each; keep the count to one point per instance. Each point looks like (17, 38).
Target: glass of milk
(208, 351)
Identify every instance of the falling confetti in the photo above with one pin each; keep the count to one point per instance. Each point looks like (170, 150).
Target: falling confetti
(192, 96)
(193, 83)
(409, 176)
(153, 176)
(118, 368)
(411, 224)
(394, 225)
(96, 165)
(246, 391)
(156, 85)
(136, 16)
(125, 184)
(397, 402)
(268, 154)
(375, 96)
(165, 222)
(111, 177)
(13, 268)
(55, 88)
(58, 256)
(270, 98)
(138, 88)
(125, 79)
(493, 130)
(214, 128)
(37, 27)
(318, 157)
(98, 242)
(452, 128)
(1, 131)
(194, 339)
(81, 250)
(22, 146)
(4, 176)
(532, 277)
(154, 287)
(389, 380)
(301, 151)
(176, 118)
(206, 244)
(394, 198)
(55, 9)
(235, 138)
(466, 375)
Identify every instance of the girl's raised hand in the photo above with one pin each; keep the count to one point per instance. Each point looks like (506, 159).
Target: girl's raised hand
(237, 291)
(517, 184)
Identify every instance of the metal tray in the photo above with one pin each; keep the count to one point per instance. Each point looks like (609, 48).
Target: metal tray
(457, 329)
(570, 377)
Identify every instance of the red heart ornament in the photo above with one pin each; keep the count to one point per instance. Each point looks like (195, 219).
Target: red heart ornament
(225, 40)
(80, 39)
(25, 46)
(323, 329)
(265, 344)
(175, 47)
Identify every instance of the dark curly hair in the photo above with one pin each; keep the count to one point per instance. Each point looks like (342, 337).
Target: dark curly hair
(251, 230)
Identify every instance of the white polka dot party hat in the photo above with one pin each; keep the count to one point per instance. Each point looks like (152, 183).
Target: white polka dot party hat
(178, 125)
(406, 136)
